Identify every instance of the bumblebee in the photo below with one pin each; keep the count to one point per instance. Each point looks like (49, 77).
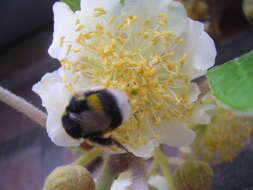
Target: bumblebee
(93, 113)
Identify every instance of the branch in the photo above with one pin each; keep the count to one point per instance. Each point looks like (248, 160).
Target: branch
(87, 157)
(23, 106)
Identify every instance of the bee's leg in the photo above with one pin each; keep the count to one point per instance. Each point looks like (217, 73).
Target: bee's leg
(98, 138)
(120, 146)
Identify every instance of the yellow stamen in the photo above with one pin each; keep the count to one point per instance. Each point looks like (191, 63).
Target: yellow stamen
(126, 24)
(80, 27)
(62, 40)
(147, 23)
(69, 49)
(163, 19)
(77, 21)
(114, 18)
(99, 12)
(180, 41)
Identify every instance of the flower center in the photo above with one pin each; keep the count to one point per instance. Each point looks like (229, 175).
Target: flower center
(224, 137)
(137, 57)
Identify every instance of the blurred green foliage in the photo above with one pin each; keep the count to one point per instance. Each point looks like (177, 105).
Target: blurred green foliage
(74, 4)
(232, 83)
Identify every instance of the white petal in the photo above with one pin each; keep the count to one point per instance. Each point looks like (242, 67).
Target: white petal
(146, 151)
(177, 18)
(203, 114)
(45, 83)
(175, 133)
(150, 10)
(63, 16)
(199, 49)
(55, 97)
(148, 7)
(206, 52)
(64, 30)
(159, 182)
(112, 7)
(121, 184)
(52, 91)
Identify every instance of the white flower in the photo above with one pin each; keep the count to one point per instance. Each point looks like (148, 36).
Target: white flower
(157, 181)
(149, 49)
(123, 184)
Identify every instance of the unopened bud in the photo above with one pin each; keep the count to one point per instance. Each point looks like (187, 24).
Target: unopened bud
(193, 175)
(70, 177)
(248, 9)
(196, 9)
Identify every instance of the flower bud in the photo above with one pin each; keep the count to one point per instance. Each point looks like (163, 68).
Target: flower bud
(193, 175)
(196, 9)
(70, 177)
(248, 9)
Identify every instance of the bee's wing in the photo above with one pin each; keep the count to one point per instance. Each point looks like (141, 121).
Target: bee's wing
(92, 121)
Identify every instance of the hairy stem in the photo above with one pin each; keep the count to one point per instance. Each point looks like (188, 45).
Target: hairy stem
(164, 164)
(106, 177)
(113, 166)
(23, 106)
(152, 168)
(87, 157)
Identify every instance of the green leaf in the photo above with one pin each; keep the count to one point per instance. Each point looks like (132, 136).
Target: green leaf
(74, 4)
(122, 2)
(232, 83)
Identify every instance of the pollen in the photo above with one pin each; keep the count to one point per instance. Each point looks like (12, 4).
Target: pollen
(77, 21)
(146, 23)
(69, 49)
(223, 138)
(80, 27)
(163, 19)
(141, 63)
(180, 41)
(99, 12)
(62, 40)
(113, 19)
(128, 22)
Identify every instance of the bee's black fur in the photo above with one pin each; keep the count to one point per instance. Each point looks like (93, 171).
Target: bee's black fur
(77, 106)
(98, 138)
(72, 127)
(109, 104)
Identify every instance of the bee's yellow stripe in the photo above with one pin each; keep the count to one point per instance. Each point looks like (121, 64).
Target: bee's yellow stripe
(95, 102)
